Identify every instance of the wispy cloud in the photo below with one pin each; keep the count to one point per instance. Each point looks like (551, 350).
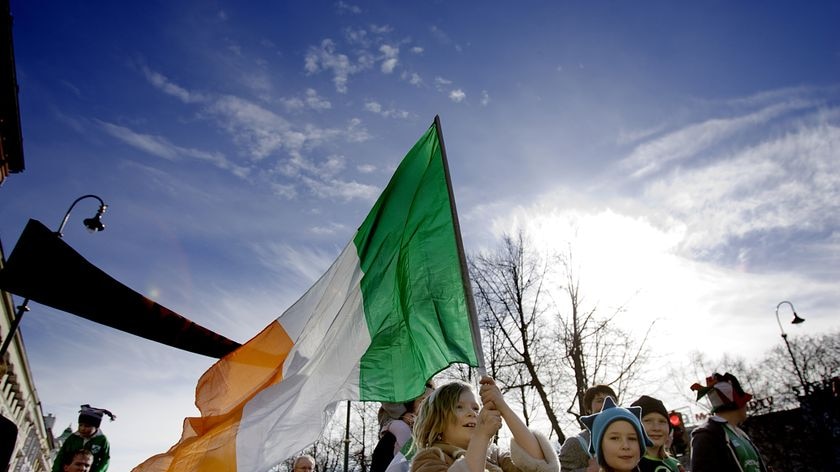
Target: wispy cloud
(325, 57)
(329, 229)
(162, 83)
(441, 83)
(376, 107)
(310, 100)
(485, 98)
(412, 77)
(652, 156)
(261, 133)
(344, 7)
(788, 184)
(162, 147)
(381, 29)
(344, 190)
(443, 38)
(307, 262)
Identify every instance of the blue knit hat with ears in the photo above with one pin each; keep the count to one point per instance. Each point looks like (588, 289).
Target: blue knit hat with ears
(597, 424)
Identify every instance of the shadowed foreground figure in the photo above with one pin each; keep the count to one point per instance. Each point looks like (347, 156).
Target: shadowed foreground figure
(90, 438)
(721, 445)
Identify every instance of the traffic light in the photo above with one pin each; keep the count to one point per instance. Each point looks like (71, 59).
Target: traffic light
(680, 437)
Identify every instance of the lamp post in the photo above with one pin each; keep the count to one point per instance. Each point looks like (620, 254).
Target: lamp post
(796, 320)
(93, 224)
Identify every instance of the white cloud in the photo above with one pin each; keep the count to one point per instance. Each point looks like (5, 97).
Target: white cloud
(376, 107)
(162, 147)
(790, 183)
(286, 191)
(293, 104)
(163, 84)
(260, 131)
(383, 29)
(390, 57)
(417, 50)
(357, 36)
(344, 7)
(440, 82)
(356, 132)
(308, 263)
(457, 95)
(154, 145)
(632, 136)
(329, 229)
(316, 102)
(485, 98)
(325, 57)
(373, 107)
(344, 190)
(366, 168)
(413, 78)
(650, 157)
(442, 37)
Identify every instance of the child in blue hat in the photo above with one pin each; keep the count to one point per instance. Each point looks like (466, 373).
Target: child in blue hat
(618, 439)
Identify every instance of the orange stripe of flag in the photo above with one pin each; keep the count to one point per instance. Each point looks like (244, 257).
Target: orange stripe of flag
(209, 442)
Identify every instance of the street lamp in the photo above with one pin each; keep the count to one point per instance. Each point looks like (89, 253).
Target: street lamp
(796, 320)
(93, 224)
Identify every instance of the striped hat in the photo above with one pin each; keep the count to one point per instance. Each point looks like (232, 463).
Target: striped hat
(724, 392)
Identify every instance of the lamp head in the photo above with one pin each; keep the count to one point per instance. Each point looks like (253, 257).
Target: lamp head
(95, 224)
(797, 319)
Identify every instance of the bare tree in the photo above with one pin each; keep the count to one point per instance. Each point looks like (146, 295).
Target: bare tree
(777, 382)
(508, 286)
(770, 378)
(593, 347)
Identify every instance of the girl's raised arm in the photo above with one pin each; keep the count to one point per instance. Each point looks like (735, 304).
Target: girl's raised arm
(492, 397)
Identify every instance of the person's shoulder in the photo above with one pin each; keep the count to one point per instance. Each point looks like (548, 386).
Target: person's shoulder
(714, 425)
(430, 458)
(575, 441)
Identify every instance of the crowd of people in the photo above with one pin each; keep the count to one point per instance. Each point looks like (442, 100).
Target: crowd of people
(452, 430)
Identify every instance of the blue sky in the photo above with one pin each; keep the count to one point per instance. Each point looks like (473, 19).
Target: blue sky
(688, 152)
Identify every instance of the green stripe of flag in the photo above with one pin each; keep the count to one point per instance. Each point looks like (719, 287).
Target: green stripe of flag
(414, 297)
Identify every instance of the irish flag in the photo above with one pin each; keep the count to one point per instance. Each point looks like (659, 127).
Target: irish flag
(391, 311)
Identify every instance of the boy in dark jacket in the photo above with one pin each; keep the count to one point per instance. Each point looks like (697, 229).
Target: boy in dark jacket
(89, 437)
(720, 445)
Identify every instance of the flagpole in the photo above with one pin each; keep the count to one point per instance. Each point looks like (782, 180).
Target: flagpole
(465, 274)
(347, 440)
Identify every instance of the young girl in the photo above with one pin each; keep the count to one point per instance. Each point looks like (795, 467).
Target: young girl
(658, 429)
(453, 433)
(618, 439)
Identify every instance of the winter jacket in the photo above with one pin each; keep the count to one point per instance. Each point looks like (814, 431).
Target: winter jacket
(97, 444)
(447, 458)
(573, 453)
(712, 450)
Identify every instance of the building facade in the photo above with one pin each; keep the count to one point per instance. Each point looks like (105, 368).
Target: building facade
(30, 449)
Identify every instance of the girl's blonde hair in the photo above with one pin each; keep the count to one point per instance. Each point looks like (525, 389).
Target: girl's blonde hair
(436, 411)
